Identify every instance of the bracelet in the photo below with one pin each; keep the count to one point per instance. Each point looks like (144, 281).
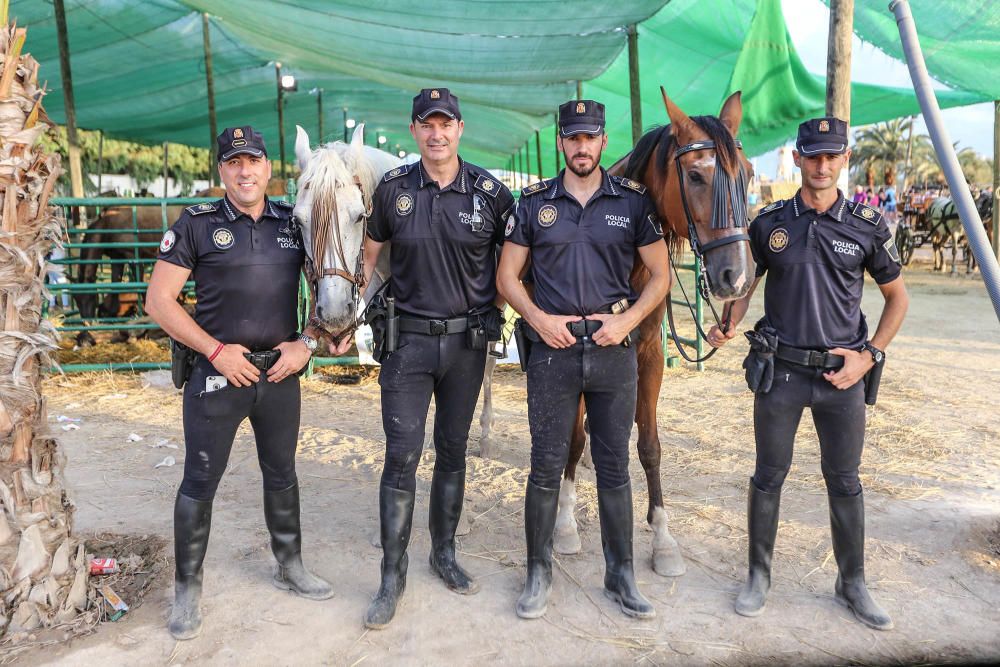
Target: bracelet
(216, 353)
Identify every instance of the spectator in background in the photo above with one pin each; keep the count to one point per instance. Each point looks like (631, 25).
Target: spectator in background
(890, 203)
(872, 199)
(859, 195)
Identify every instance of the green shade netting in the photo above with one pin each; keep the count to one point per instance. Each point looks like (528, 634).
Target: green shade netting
(138, 68)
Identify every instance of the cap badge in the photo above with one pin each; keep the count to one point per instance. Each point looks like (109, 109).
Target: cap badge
(581, 107)
(824, 126)
(547, 215)
(778, 240)
(238, 133)
(238, 143)
(404, 204)
(435, 94)
(223, 239)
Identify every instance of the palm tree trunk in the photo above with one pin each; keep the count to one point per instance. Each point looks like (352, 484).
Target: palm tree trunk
(43, 575)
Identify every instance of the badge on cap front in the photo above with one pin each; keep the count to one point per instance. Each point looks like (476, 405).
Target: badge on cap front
(824, 126)
(435, 94)
(238, 133)
(581, 108)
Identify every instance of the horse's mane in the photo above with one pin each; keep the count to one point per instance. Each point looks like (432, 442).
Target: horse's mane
(335, 163)
(663, 142)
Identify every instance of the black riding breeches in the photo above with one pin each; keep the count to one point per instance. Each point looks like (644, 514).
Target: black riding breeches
(839, 416)
(211, 420)
(606, 377)
(423, 366)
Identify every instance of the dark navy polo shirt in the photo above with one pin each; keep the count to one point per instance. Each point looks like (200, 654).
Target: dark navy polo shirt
(582, 256)
(246, 273)
(816, 264)
(444, 241)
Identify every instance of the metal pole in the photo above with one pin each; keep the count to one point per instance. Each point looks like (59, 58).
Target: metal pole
(633, 83)
(166, 172)
(281, 119)
(319, 114)
(100, 161)
(838, 59)
(538, 152)
(345, 125)
(213, 128)
(555, 142)
(520, 171)
(960, 194)
(527, 161)
(73, 148)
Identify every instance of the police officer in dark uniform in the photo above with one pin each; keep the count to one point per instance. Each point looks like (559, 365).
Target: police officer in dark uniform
(445, 218)
(245, 256)
(581, 232)
(812, 349)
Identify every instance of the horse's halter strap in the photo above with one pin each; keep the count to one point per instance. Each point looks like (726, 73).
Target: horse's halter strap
(316, 265)
(728, 193)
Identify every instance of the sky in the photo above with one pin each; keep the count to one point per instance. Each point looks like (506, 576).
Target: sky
(808, 23)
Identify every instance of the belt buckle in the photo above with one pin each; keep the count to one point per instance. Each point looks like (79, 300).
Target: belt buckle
(438, 327)
(817, 358)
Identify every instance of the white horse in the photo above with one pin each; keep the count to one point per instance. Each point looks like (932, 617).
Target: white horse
(335, 189)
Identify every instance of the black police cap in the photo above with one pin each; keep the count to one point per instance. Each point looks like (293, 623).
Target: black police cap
(822, 135)
(581, 116)
(240, 141)
(435, 100)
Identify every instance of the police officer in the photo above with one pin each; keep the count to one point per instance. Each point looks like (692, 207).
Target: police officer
(445, 218)
(245, 256)
(581, 232)
(815, 249)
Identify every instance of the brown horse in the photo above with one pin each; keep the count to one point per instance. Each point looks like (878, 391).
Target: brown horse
(704, 152)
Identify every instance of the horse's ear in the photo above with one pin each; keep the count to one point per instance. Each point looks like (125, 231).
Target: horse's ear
(732, 112)
(358, 138)
(678, 119)
(302, 152)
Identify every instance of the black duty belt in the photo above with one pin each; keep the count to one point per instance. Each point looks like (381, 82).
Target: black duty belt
(264, 359)
(427, 327)
(580, 329)
(811, 358)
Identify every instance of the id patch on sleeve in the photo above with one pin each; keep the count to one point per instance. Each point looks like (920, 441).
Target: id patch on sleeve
(655, 222)
(890, 247)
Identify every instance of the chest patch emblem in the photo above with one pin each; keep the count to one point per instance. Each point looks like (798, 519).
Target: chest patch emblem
(778, 240)
(168, 242)
(547, 215)
(223, 239)
(404, 204)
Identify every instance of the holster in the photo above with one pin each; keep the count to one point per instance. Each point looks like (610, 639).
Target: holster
(523, 343)
(484, 327)
(759, 364)
(872, 379)
(384, 322)
(181, 363)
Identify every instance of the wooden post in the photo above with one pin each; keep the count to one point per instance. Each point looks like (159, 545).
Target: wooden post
(633, 83)
(73, 149)
(319, 114)
(100, 162)
(166, 172)
(213, 128)
(345, 125)
(579, 89)
(538, 152)
(996, 178)
(520, 170)
(838, 60)
(556, 143)
(281, 119)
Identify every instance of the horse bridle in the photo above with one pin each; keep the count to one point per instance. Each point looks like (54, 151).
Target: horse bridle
(728, 192)
(315, 262)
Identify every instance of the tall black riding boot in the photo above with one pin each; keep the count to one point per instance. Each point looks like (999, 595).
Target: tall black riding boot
(447, 492)
(395, 518)
(192, 524)
(847, 524)
(281, 513)
(615, 509)
(762, 527)
(540, 507)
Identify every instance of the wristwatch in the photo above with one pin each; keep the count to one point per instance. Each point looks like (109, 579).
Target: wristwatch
(311, 343)
(878, 356)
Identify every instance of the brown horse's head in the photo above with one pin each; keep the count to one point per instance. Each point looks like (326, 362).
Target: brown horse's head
(714, 187)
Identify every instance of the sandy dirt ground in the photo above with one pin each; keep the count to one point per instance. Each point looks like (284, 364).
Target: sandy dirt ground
(930, 471)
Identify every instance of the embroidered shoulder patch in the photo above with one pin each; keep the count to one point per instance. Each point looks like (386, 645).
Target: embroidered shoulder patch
(282, 203)
(488, 185)
(535, 187)
(773, 206)
(632, 185)
(198, 209)
(866, 213)
(397, 172)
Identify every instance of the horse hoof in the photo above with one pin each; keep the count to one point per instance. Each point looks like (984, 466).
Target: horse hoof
(668, 562)
(566, 541)
(488, 449)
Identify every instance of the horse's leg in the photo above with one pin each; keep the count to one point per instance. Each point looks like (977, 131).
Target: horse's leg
(954, 254)
(667, 559)
(566, 538)
(488, 448)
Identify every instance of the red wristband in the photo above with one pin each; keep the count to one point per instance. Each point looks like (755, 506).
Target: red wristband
(216, 353)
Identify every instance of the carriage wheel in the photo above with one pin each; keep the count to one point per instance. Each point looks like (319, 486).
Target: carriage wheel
(904, 244)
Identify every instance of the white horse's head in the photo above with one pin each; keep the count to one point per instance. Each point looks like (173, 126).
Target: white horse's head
(333, 201)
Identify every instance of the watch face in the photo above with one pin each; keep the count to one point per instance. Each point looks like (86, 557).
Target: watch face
(878, 357)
